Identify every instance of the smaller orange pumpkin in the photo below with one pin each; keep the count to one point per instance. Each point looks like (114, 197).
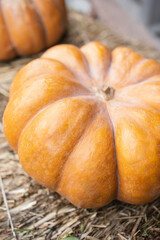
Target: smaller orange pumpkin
(28, 26)
(86, 123)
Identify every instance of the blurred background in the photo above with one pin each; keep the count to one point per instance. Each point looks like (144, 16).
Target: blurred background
(132, 19)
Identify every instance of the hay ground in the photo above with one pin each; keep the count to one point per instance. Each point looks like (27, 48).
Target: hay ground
(38, 213)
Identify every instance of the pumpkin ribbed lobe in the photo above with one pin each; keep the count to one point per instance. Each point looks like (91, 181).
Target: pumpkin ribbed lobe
(137, 158)
(41, 21)
(7, 48)
(114, 147)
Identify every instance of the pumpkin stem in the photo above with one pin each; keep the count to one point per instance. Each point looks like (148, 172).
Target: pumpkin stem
(109, 92)
(105, 92)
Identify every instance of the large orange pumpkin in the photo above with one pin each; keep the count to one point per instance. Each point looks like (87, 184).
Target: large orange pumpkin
(28, 26)
(86, 123)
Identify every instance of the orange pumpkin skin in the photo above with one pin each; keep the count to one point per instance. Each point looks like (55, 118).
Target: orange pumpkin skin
(86, 123)
(28, 26)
